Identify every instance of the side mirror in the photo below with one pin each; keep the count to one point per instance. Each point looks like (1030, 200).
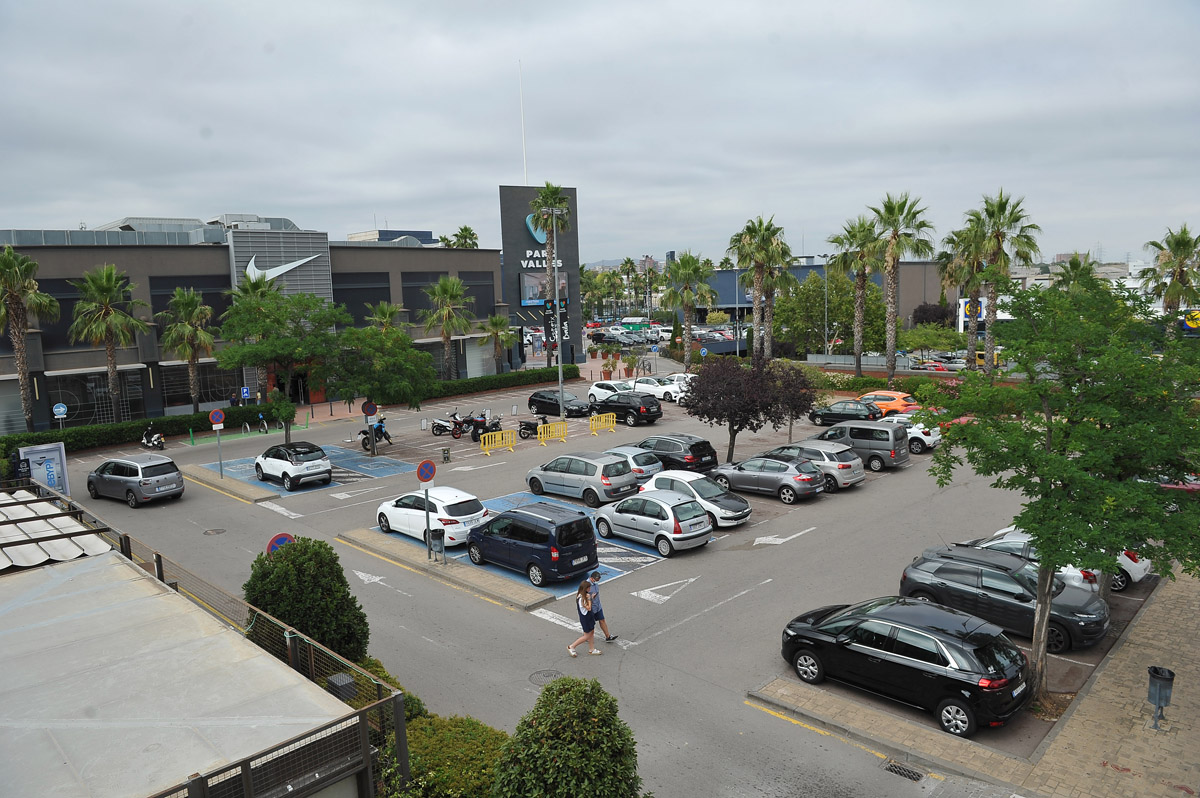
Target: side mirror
(1024, 598)
(842, 640)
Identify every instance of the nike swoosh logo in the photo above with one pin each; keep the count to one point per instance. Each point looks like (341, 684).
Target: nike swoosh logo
(253, 272)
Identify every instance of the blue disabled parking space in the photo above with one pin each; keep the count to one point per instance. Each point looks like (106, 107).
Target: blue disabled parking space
(363, 463)
(349, 466)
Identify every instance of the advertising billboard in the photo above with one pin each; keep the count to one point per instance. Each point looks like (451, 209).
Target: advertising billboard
(48, 465)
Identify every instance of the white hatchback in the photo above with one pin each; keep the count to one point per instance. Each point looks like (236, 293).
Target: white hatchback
(921, 437)
(659, 387)
(603, 390)
(1012, 540)
(451, 509)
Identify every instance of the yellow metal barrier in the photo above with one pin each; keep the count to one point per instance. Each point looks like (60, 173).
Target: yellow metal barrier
(606, 421)
(554, 431)
(501, 439)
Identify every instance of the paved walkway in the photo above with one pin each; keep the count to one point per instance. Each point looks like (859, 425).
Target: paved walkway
(1103, 746)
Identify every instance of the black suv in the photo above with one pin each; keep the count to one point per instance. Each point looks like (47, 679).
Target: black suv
(1002, 588)
(546, 403)
(846, 410)
(682, 451)
(546, 542)
(630, 407)
(960, 667)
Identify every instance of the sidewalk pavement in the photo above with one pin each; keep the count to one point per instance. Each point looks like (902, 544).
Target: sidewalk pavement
(1104, 745)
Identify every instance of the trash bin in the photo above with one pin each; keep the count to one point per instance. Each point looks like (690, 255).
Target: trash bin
(437, 540)
(342, 686)
(1161, 680)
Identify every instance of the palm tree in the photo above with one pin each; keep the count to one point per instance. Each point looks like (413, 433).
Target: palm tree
(779, 282)
(1008, 237)
(20, 300)
(1175, 273)
(383, 314)
(103, 315)
(186, 333)
(726, 263)
(445, 242)
(551, 215)
(759, 246)
(903, 231)
(612, 286)
(251, 292)
(465, 238)
(858, 255)
(1073, 276)
(628, 271)
(496, 331)
(961, 266)
(449, 315)
(687, 287)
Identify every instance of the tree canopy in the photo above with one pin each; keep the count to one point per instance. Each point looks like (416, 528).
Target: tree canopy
(739, 397)
(379, 363)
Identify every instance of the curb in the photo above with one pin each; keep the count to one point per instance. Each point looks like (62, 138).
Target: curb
(234, 487)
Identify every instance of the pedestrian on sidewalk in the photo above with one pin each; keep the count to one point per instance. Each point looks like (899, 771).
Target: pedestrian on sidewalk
(597, 610)
(583, 605)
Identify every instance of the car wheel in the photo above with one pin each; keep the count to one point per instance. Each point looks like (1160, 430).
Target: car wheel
(476, 554)
(590, 498)
(289, 483)
(328, 480)
(712, 520)
(664, 547)
(591, 397)
(831, 483)
(602, 528)
(722, 481)
(593, 411)
(875, 463)
(258, 472)
(921, 595)
(95, 494)
(808, 667)
(384, 526)
(956, 718)
(535, 486)
(819, 420)
(889, 413)
(1120, 580)
(916, 445)
(537, 577)
(787, 494)
(667, 397)
(533, 408)
(1056, 639)
(131, 499)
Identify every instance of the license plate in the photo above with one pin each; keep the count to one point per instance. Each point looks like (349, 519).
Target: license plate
(1020, 689)
(820, 488)
(706, 458)
(314, 467)
(579, 560)
(161, 488)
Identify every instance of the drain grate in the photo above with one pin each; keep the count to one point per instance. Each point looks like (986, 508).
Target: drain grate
(912, 774)
(543, 678)
(214, 531)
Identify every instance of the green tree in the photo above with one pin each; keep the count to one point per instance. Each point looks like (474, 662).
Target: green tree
(739, 398)
(20, 300)
(303, 585)
(726, 263)
(104, 315)
(1007, 239)
(688, 287)
(282, 410)
(1070, 277)
(926, 337)
(449, 316)
(571, 743)
(445, 241)
(186, 333)
(249, 297)
(801, 316)
(379, 363)
(961, 265)
(591, 292)
(497, 332)
(903, 231)
(779, 282)
(628, 271)
(759, 246)
(551, 211)
(858, 255)
(1095, 420)
(1175, 273)
(718, 318)
(465, 238)
(794, 392)
(383, 314)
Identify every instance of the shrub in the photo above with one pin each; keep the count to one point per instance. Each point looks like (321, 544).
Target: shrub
(493, 382)
(414, 707)
(452, 757)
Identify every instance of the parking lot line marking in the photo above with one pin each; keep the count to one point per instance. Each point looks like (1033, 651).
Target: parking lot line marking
(1059, 656)
(698, 614)
(500, 604)
(281, 510)
(218, 490)
(553, 617)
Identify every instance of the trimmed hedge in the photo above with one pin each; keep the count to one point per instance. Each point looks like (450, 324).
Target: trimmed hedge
(448, 758)
(493, 382)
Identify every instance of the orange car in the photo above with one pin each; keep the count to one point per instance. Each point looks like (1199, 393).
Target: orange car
(891, 402)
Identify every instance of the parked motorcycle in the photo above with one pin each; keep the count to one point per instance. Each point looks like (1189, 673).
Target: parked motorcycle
(152, 439)
(380, 433)
(444, 426)
(527, 429)
(479, 424)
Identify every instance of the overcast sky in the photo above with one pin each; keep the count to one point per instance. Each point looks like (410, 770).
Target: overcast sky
(676, 121)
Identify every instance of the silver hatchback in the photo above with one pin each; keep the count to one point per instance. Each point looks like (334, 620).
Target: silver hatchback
(664, 519)
(842, 467)
(594, 477)
(136, 479)
(644, 464)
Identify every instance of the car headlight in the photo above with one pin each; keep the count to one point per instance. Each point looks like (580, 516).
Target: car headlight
(1087, 616)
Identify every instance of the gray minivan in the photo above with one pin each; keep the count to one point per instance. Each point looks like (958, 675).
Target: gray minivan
(137, 479)
(592, 476)
(879, 445)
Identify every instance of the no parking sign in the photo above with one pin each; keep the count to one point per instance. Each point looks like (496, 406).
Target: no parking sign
(279, 541)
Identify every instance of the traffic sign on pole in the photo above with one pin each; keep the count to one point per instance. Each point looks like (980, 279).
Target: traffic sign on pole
(369, 408)
(426, 470)
(279, 541)
(217, 416)
(703, 352)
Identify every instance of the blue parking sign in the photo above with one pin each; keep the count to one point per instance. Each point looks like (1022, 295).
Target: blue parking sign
(245, 392)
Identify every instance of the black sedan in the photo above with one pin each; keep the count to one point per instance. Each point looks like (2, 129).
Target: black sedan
(631, 407)
(846, 410)
(546, 403)
(961, 668)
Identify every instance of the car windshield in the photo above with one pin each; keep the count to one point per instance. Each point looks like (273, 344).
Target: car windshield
(1027, 578)
(570, 397)
(865, 608)
(622, 386)
(707, 489)
(159, 470)
(689, 510)
(464, 508)
(996, 654)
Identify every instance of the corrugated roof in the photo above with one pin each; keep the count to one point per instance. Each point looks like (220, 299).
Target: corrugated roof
(21, 514)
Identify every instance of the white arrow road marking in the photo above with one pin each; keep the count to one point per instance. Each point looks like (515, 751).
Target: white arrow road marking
(369, 579)
(281, 510)
(651, 594)
(633, 643)
(772, 539)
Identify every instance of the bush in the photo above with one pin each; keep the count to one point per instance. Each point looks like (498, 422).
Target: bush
(449, 758)
(414, 707)
(493, 382)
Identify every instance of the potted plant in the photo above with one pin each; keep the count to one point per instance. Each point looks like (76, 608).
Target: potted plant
(609, 365)
(630, 360)
(593, 350)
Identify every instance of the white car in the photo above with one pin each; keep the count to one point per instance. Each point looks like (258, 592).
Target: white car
(659, 387)
(723, 507)
(451, 509)
(921, 437)
(293, 464)
(682, 380)
(1012, 540)
(603, 390)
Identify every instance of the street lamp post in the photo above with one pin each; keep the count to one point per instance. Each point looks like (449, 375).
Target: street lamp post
(558, 336)
(825, 280)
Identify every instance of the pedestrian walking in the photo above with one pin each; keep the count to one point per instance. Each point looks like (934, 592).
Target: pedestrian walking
(583, 605)
(597, 610)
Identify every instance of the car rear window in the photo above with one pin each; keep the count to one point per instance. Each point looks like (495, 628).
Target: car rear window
(644, 459)
(847, 456)
(308, 455)
(702, 448)
(688, 511)
(159, 470)
(575, 532)
(616, 469)
(464, 508)
(806, 467)
(996, 654)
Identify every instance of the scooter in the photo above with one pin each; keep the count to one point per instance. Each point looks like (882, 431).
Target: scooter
(481, 426)
(454, 425)
(152, 439)
(380, 431)
(527, 429)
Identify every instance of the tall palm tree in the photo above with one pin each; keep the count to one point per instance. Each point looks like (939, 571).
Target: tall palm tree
(186, 333)
(104, 315)
(252, 292)
(1174, 276)
(960, 266)
(1074, 272)
(449, 315)
(21, 300)
(445, 242)
(779, 282)
(613, 287)
(903, 231)
(726, 263)
(858, 255)
(758, 246)
(629, 272)
(1008, 239)
(551, 215)
(687, 287)
(383, 314)
(497, 332)
(465, 238)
